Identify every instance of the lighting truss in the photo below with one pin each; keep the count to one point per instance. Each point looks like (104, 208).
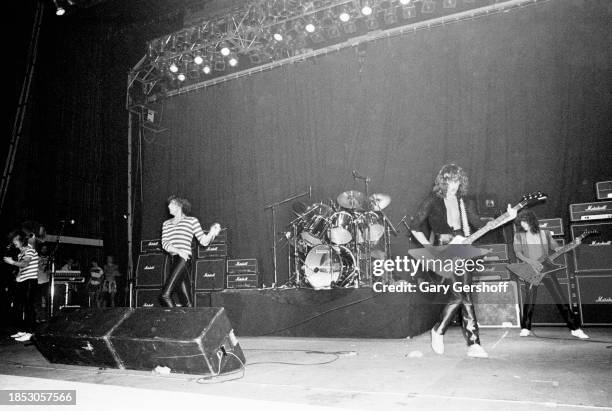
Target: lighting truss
(263, 34)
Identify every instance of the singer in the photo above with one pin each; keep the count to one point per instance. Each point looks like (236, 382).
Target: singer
(177, 234)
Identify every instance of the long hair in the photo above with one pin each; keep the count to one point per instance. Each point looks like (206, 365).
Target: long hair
(530, 218)
(448, 173)
(181, 202)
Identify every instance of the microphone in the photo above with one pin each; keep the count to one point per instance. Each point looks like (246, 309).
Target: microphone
(67, 221)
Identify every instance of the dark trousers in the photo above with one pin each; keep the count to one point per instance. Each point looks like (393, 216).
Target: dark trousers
(26, 294)
(553, 287)
(460, 301)
(177, 283)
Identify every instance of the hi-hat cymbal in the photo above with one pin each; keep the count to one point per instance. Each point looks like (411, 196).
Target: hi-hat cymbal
(351, 199)
(380, 201)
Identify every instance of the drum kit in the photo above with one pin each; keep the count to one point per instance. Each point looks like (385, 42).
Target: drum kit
(333, 244)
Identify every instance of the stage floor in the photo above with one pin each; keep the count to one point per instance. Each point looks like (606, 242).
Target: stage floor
(553, 371)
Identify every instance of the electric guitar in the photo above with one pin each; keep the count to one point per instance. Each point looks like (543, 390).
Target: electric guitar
(528, 273)
(460, 247)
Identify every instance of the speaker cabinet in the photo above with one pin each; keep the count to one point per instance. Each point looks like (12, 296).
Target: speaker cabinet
(497, 309)
(148, 297)
(209, 275)
(595, 298)
(595, 252)
(151, 270)
(203, 299)
(186, 340)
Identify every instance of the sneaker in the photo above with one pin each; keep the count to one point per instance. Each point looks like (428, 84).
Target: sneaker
(437, 342)
(525, 333)
(476, 351)
(580, 334)
(25, 337)
(19, 334)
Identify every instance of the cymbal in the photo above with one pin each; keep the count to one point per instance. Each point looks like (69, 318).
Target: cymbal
(380, 201)
(351, 199)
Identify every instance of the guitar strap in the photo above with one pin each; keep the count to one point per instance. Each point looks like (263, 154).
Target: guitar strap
(465, 225)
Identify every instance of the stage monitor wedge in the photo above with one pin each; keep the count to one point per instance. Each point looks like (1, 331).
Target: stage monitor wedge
(186, 340)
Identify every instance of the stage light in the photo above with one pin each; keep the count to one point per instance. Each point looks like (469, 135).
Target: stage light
(366, 9)
(225, 51)
(173, 68)
(310, 28)
(404, 2)
(233, 61)
(344, 17)
(59, 10)
(206, 69)
(198, 60)
(278, 37)
(181, 77)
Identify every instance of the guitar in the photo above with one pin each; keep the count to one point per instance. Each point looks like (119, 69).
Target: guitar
(528, 273)
(460, 247)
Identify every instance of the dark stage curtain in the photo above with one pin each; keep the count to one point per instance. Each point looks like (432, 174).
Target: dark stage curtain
(522, 100)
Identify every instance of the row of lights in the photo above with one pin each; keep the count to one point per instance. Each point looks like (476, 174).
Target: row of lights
(344, 17)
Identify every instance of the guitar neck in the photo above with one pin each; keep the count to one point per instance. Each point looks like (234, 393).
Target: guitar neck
(501, 220)
(562, 250)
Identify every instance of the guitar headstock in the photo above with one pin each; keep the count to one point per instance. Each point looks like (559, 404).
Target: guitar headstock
(586, 234)
(531, 198)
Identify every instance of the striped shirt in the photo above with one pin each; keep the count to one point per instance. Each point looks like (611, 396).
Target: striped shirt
(180, 234)
(30, 271)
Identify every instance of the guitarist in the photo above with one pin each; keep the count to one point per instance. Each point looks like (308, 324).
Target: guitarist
(530, 244)
(447, 213)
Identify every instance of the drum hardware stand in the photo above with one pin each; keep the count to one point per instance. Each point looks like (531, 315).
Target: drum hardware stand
(389, 229)
(52, 258)
(366, 180)
(274, 207)
(403, 221)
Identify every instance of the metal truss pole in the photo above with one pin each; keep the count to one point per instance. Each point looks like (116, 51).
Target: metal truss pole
(22, 104)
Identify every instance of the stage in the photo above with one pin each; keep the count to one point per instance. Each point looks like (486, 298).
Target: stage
(552, 370)
(341, 312)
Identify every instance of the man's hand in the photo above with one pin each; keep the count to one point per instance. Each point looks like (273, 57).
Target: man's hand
(215, 229)
(511, 212)
(183, 254)
(9, 260)
(536, 265)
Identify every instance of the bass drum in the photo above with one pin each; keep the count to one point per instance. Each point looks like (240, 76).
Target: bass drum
(327, 264)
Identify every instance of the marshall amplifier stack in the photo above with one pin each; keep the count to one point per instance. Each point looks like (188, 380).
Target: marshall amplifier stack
(593, 258)
(151, 271)
(496, 309)
(242, 273)
(209, 269)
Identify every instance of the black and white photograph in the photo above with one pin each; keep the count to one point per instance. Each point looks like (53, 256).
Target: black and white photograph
(307, 205)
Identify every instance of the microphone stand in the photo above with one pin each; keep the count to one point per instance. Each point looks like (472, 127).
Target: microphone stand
(274, 207)
(52, 257)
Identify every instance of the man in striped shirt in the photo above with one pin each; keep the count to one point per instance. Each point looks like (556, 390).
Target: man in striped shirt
(177, 234)
(27, 281)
